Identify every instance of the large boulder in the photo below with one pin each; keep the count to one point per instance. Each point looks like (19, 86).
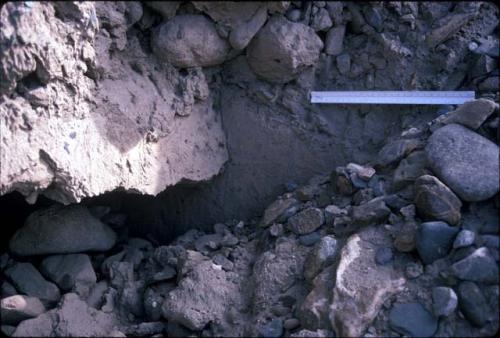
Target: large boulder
(189, 41)
(282, 49)
(465, 161)
(59, 230)
(362, 286)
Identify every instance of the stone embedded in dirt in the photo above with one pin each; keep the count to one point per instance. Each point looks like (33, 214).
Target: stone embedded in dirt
(314, 310)
(15, 309)
(60, 230)
(72, 318)
(241, 36)
(282, 49)
(189, 41)
(435, 240)
(67, 270)
(413, 320)
(414, 270)
(373, 212)
(435, 201)
(383, 255)
(444, 301)
(409, 169)
(479, 266)
(202, 296)
(471, 114)
(273, 329)
(321, 20)
(343, 61)
(473, 303)
(167, 9)
(29, 281)
(464, 239)
(306, 221)
(320, 333)
(321, 255)
(465, 161)
(276, 210)
(361, 286)
(334, 40)
(395, 151)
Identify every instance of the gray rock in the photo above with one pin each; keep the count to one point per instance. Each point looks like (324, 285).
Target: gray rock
(395, 151)
(167, 9)
(473, 303)
(29, 281)
(201, 297)
(314, 310)
(15, 309)
(320, 333)
(310, 239)
(383, 255)
(8, 290)
(281, 50)
(343, 63)
(479, 266)
(321, 20)
(273, 329)
(471, 114)
(67, 270)
(276, 209)
(465, 161)
(322, 255)
(373, 212)
(293, 15)
(8, 330)
(434, 240)
(240, 37)
(306, 221)
(59, 230)
(412, 319)
(72, 318)
(96, 294)
(189, 41)
(464, 239)
(276, 230)
(361, 286)
(223, 261)
(444, 301)
(373, 17)
(334, 41)
(291, 323)
(435, 201)
(409, 169)
(414, 270)
(333, 211)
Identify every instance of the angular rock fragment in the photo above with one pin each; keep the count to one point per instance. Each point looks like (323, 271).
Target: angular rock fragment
(471, 114)
(15, 309)
(465, 161)
(306, 221)
(444, 301)
(67, 270)
(409, 169)
(72, 318)
(59, 230)
(202, 296)
(189, 41)
(396, 150)
(29, 281)
(241, 36)
(277, 209)
(435, 201)
(373, 212)
(361, 286)
(281, 50)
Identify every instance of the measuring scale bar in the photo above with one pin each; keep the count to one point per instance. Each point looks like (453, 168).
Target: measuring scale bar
(393, 97)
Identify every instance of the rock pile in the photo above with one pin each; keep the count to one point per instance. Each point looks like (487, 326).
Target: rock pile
(358, 252)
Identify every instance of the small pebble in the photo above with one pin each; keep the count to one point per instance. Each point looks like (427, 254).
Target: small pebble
(291, 323)
(414, 270)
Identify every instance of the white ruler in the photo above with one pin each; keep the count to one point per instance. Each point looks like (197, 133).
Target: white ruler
(393, 97)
